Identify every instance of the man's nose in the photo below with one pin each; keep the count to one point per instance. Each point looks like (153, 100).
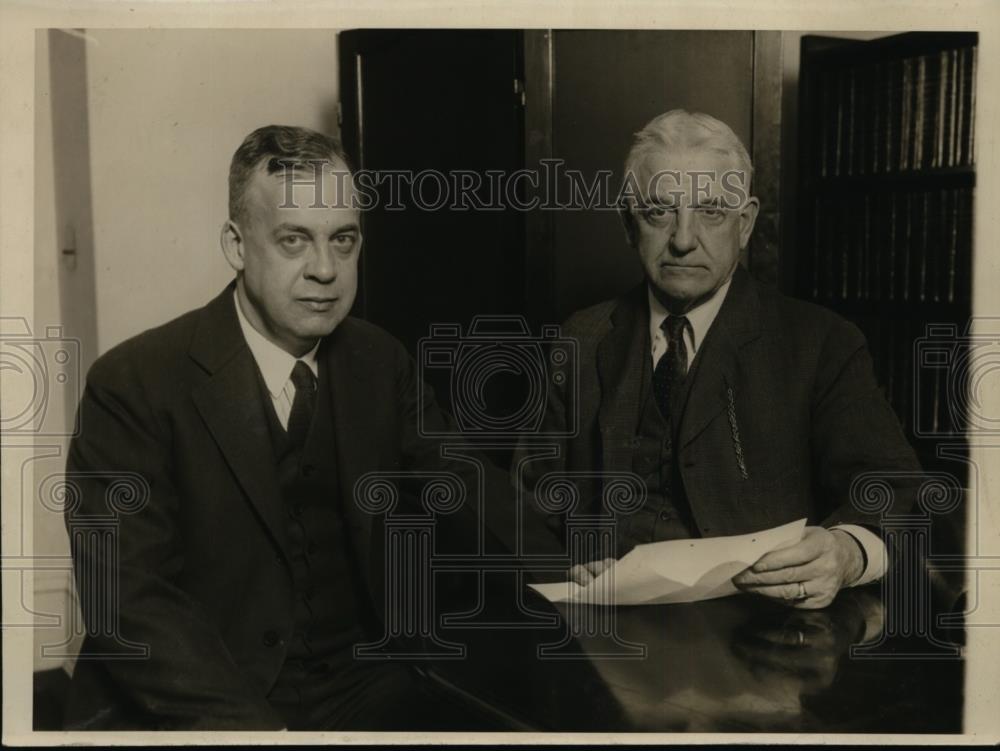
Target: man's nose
(322, 266)
(683, 239)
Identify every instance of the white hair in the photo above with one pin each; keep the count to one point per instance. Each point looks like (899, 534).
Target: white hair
(682, 130)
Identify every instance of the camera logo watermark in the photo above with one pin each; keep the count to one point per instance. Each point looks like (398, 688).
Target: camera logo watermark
(409, 596)
(41, 364)
(956, 370)
(492, 346)
(906, 589)
(95, 541)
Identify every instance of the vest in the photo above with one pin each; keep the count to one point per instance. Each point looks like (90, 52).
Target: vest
(329, 605)
(666, 514)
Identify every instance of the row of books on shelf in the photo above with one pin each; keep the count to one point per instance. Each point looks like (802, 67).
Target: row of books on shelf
(913, 113)
(926, 398)
(891, 246)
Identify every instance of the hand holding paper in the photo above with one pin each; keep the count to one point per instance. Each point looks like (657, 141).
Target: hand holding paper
(676, 570)
(809, 573)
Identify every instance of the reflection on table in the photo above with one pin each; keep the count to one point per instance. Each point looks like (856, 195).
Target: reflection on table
(741, 663)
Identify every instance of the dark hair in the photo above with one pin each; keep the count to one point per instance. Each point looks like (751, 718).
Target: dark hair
(282, 146)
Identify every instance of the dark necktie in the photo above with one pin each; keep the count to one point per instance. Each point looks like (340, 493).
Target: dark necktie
(303, 404)
(672, 366)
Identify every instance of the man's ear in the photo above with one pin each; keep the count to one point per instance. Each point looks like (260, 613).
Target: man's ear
(748, 217)
(628, 224)
(231, 240)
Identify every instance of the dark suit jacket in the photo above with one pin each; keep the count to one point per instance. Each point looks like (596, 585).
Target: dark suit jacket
(201, 568)
(806, 408)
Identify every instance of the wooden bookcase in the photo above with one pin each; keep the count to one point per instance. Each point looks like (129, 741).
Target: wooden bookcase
(886, 181)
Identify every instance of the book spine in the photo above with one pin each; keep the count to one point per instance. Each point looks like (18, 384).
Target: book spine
(865, 105)
(864, 272)
(824, 141)
(963, 263)
(851, 126)
(926, 210)
(938, 159)
(961, 150)
(892, 367)
(972, 107)
(939, 243)
(907, 246)
(829, 257)
(881, 232)
(891, 261)
(953, 245)
(905, 117)
(890, 114)
(845, 246)
(952, 107)
(877, 91)
(839, 133)
(918, 118)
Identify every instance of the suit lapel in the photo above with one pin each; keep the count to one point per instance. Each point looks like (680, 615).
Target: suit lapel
(619, 366)
(353, 407)
(351, 410)
(230, 402)
(737, 324)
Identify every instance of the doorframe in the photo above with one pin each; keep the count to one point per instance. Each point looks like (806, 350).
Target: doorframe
(765, 151)
(539, 227)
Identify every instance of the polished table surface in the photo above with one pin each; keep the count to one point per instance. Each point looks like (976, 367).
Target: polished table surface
(737, 664)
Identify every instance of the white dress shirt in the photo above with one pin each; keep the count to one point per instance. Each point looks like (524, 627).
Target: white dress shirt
(701, 318)
(275, 365)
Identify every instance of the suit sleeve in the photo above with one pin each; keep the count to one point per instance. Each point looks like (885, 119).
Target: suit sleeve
(856, 431)
(188, 680)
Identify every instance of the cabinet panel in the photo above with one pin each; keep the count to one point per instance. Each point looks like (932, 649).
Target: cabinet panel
(606, 86)
(419, 100)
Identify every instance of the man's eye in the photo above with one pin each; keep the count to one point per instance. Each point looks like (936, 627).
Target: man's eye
(711, 214)
(660, 213)
(343, 241)
(293, 242)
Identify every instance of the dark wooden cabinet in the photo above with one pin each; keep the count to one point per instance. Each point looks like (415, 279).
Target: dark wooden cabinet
(433, 102)
(477, 104)
(606, 86)
(481, 100)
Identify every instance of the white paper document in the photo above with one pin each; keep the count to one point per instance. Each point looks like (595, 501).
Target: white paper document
(676, 570)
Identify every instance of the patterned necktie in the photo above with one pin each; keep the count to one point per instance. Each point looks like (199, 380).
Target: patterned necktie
(303, 404)
(672, 366)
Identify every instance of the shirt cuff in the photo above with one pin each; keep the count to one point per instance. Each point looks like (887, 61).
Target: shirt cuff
(873, 550)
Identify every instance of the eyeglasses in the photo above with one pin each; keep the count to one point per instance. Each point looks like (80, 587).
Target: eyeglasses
(660, 216)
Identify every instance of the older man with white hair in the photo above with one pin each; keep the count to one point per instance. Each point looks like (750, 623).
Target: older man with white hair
(740, 408)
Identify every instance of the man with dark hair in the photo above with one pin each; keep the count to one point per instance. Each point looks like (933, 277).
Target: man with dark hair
(741, 409)
(249, 573)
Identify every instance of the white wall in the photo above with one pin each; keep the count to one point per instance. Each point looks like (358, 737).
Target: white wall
(41, 525)
(167, 109)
